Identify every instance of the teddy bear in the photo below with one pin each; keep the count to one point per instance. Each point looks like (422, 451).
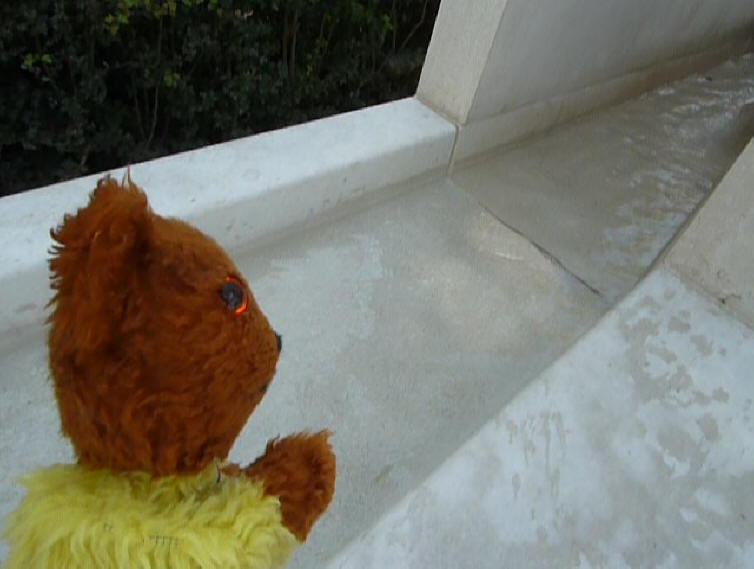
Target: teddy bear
(158, 354)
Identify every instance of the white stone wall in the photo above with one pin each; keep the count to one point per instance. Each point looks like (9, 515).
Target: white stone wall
(503, 69)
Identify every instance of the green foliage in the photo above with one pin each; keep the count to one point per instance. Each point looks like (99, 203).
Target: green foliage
(89, 85)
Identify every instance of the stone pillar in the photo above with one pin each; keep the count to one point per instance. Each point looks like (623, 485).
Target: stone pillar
(504, 69)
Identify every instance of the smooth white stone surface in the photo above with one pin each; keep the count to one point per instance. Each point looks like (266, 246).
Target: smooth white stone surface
(515, 125)
(507, 69)
(458, 54)
(545, 49)
(636, 449)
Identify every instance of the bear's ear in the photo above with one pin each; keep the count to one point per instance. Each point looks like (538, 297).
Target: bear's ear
(98, 251)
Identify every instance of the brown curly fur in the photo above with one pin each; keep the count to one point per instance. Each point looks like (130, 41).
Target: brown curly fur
(152, 371)
(298, 469)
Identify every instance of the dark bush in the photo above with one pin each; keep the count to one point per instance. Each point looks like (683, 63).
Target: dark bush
(89, 85)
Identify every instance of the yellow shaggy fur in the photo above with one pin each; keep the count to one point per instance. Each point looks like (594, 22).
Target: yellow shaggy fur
(77, 518)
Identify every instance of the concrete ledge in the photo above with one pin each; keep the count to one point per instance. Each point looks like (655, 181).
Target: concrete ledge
(487, 134)
(634, 449)
(715, 251)
(237, 191)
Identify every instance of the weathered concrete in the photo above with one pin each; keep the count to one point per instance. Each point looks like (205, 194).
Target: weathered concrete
(604, 195)
(636, 449)
(716, 251)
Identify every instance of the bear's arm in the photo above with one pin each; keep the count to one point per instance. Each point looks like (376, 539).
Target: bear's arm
(300, 471)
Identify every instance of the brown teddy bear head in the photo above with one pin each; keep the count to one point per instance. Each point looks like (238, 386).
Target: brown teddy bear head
(158, 351)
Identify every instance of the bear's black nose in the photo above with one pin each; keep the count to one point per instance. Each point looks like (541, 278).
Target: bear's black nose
(279, 339)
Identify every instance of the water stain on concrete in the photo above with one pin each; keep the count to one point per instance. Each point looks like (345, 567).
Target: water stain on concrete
(708, 425)
(703, 344)
(26, 308)
(383, 474)
(678, 325)
(516, 483)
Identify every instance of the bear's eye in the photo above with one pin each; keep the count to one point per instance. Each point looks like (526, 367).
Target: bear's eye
(234, 295)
